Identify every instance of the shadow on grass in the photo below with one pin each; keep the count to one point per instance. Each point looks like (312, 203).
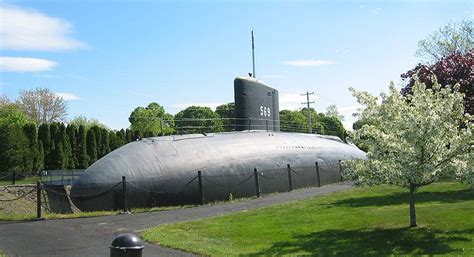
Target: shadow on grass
(377, 242)
(402, 198)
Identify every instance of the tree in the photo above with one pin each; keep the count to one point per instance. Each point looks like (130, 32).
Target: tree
(71, 132)
(450, 70)
(451, 39)
(227, 114)
(81, 148)
(152, 120)
(331, 111)
(34, 161)
(4, 100)
(12, 114)
(13, 144)
(91, 146)
(333, 126)
(44, 137)
(414, 139)
(42, 106)
(104, 143)
(293, 121)
(87, 123)
(198, 119)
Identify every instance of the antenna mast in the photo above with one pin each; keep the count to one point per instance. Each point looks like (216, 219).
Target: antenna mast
(253, 56)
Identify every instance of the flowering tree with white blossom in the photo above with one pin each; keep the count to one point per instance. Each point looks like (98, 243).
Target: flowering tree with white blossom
(414, 139)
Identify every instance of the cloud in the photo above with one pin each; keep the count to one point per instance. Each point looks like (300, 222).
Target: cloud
(308, 63)
(25, 29)
(186, 105)
(23, 64)
(68, 96)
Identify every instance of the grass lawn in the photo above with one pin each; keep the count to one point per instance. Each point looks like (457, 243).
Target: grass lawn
(358, 222)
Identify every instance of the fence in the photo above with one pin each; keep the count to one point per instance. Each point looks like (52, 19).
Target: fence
(48, 177)
(201, 188)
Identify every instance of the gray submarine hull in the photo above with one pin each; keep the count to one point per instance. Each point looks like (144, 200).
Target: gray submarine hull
(163, 170)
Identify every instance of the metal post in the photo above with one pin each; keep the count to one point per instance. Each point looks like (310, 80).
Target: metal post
(340, 170)
(13, 178)
(255, 173)
(289, 176)
(201, 194)
(124, 192)
(250, 123)
(317, 174)
(38, 200)
(72, 180)
(266, 124)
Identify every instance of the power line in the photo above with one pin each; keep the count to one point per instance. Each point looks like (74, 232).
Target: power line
(309, 112)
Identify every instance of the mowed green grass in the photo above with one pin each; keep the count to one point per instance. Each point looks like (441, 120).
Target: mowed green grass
(369, 221)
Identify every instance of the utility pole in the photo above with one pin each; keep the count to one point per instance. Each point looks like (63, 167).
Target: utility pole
(309, 112)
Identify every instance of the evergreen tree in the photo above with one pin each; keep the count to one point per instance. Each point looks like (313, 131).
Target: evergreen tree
(71, 136)
(91, 146)
(114, 140)
(59, 154)
(98, 141)
(32, 160)
(13, 144)
(105, 143)
(40, 156)
(128, 136)
(81, 148)
(44, 136)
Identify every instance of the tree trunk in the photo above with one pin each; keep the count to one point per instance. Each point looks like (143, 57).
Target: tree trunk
(412, 207)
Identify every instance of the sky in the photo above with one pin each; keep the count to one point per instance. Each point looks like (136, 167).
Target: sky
(106, 58)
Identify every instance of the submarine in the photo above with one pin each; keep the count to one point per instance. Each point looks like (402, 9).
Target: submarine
(187, 169)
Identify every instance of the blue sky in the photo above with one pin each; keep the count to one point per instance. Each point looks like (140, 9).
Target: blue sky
(108, 57)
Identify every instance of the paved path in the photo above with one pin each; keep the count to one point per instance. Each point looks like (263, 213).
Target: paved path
(91, 236)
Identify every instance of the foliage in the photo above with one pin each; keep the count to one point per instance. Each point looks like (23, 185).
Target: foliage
(91, 146)
(81, 148)
(87, 123)
(4, 100)
(198, 119)
(331, 111)
(13, 148)
(12, 114)
(226, 112)
(449, 70)
(451, 39)
(42, 105)
(333, 126)
(293, 121)
(413, 139)
(152, 120)
(349, 223)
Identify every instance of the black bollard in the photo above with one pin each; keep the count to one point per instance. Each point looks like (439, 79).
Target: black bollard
(126, 245)
(13, 178)
(255, 173)
(201, 194)
(289, 176)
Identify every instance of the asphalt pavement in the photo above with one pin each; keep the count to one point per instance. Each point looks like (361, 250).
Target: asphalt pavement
(91, 236)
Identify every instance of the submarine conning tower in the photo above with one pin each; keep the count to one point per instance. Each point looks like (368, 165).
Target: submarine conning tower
(256, 105)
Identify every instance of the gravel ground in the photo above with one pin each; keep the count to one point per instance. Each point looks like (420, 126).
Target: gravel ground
(92, 236)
